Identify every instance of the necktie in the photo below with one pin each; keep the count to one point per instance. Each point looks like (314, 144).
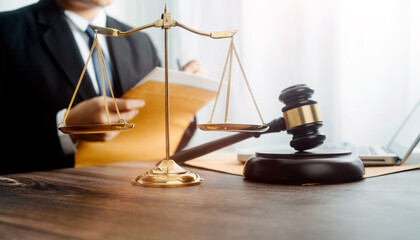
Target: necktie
(95, 62)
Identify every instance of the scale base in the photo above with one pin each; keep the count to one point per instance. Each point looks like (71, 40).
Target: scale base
(167, 173)
(304, 168)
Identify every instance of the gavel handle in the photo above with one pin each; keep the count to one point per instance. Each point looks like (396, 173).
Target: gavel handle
(276, 125)
(203, 149)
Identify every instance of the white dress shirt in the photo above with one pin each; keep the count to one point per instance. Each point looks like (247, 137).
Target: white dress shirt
(78, 26)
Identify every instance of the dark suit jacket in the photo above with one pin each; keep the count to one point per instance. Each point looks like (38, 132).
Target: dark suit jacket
(39, 69)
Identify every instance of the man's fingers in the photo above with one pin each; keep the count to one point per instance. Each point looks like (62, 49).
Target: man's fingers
(93, 111)
(113, 118)
(195, 67)
(125, 104)
(128, 115)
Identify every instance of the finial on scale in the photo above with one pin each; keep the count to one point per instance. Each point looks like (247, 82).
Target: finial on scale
(166, 8)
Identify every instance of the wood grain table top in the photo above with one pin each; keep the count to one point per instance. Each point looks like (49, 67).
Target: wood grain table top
(100, 202)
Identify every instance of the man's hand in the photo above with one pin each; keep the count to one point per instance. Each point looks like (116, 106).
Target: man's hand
(194, 66)
(93, 111)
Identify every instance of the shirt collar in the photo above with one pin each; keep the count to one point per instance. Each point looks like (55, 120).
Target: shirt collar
(82, 24)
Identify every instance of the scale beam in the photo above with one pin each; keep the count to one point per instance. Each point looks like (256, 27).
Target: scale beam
(112, 32)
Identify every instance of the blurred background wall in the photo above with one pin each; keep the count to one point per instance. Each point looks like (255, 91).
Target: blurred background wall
(361, 57)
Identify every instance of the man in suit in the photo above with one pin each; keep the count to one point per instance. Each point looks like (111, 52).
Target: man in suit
(43, 50)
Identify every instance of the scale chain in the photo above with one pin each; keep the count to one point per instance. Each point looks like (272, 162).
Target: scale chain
(78, 84)
(246, 81)
(229, 81)
(232, 49)
(102, 78)
(101, 63)
(221, 82)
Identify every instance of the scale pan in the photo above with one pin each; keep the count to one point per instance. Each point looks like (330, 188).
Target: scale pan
(99, 128)
(227, 127)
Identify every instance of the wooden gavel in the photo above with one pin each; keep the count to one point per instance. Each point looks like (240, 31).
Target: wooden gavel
(301, 118)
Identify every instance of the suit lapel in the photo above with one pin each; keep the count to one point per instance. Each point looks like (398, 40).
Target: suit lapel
(59, 41)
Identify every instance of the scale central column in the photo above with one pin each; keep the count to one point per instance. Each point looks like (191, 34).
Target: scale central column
(167, 172)
(167, 97)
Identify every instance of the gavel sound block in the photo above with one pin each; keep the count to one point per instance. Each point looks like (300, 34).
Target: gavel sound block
(304, 167)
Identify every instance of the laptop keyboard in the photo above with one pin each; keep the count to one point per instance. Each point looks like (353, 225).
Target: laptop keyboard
(366, 151)
(362, 150)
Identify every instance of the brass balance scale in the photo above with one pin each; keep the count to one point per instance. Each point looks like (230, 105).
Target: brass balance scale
(167, 173)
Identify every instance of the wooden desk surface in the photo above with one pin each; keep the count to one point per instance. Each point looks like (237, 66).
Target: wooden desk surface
(101, 203)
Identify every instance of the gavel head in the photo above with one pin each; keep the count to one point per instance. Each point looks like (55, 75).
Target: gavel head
(302, 117)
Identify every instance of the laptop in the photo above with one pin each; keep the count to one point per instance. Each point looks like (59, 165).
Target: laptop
(400, 146)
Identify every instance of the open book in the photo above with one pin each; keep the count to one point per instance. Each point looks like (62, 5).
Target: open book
(188, 93)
